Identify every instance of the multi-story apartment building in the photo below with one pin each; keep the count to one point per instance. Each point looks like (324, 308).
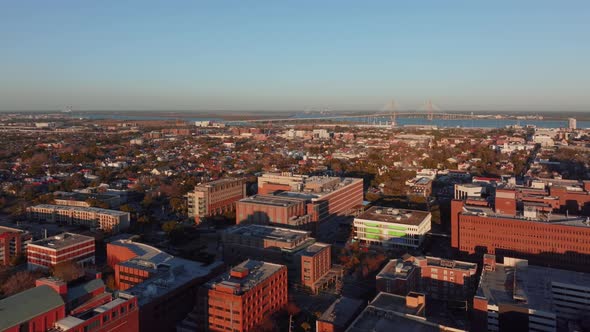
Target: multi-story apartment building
(436, 277)
(104, 219)
(389, 228)
(62, 248)
(215, 198)
(13, 243)
(241, 299)
(516, 296)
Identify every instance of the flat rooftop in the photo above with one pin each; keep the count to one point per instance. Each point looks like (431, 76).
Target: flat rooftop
(314, 249)
(520, 284)
(394, 216)
(62, 240)
(216, 183)
(269, 232)
(169, 272)
(273, 200)
(342, 311)
(450, 263)
(114, 213)
(257, 272)
(388, 312)
(77, 196)
(4, 229)
(396, 268)
(542, 217)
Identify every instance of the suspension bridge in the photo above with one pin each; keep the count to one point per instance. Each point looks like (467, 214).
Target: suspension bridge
(388, 115)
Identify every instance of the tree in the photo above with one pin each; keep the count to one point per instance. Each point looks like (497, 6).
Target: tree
(169, 226)
(20, 281)
(67, 271)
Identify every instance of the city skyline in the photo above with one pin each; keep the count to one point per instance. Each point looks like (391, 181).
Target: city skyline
(223, 55)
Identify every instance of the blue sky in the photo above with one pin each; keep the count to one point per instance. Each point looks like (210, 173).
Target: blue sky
(294, 55)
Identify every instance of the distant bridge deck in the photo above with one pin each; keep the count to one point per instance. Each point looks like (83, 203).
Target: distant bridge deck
(417, 114)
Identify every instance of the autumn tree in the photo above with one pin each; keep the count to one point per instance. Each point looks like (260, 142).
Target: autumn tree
(20, 281)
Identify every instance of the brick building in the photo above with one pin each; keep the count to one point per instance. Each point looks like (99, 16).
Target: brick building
(513, 230)
(326, 196)
(13, 243)
(246, 296)
(166, 286)
(215, 198)
(315, 262)
(53, 306)
(104, 219)
(281, 211)
(66, 247)
(436, 277)
(33, 310)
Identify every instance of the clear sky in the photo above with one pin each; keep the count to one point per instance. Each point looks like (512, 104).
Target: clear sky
(294, 54)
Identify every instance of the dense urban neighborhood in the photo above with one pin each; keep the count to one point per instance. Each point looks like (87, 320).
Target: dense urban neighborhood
(178, 225)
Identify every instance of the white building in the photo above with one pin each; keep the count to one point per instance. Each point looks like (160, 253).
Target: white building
(572, 123)
(389, 227)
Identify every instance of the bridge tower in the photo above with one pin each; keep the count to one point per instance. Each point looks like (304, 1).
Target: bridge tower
(430, 108)
(391, 107)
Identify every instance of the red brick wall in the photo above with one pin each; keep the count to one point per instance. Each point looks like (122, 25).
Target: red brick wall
(117, 254)
(44, 321)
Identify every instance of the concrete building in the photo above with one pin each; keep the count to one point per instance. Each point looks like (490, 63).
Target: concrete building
(59, 249)
(244, 297)
(267, 243)
(572, 123)
(389, 228)
(389, 312)
(437, 278)
(166, 287)
(516, 296)
(215, 198)
(104, 219)
(339, 315)
(13, 243)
